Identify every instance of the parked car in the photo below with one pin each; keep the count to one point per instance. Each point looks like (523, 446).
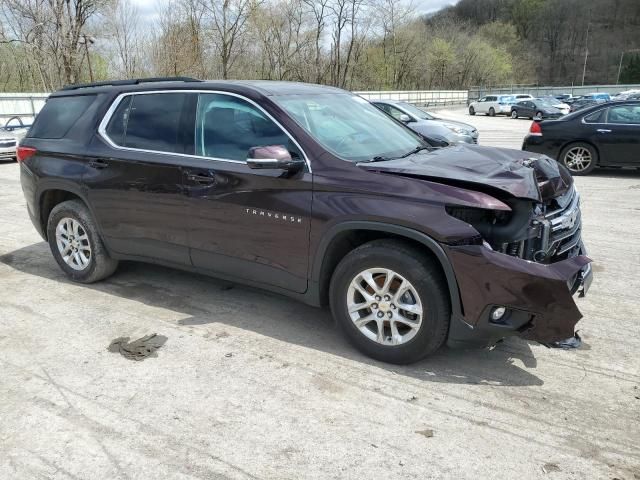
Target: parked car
(564, 97)
(522, 96)
(626, 95)
(427, 124)
(553, 101)
(599, 97)
(492, 105)
(10, 135)
(535, 109)
(312, 192)
(599, 136)
(583, 103)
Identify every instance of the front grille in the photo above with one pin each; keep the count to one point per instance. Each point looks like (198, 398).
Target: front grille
(555, 235)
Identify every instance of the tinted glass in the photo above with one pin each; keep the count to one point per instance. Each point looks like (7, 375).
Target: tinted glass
(594, 117)
(58, 115)
(227, 127)
(395, 113)
(349, 126)
(624, 114)
(152, 122)
(118, 123)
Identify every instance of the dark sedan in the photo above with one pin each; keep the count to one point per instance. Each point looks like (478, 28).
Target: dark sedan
(605, 135)
(535, 109)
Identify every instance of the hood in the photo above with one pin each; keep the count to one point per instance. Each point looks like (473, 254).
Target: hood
(518, 173)
(463, 125)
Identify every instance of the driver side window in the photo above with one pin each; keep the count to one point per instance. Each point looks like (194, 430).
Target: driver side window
(227, 127)
(394, 112)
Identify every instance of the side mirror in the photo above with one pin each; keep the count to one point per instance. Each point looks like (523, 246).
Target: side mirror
(272, 157)
(404, 118)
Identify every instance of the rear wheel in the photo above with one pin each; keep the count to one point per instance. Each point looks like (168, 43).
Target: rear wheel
(391, 301)
(579, 158)
(472, 111)
(492, 112)
(538, 116)
(76, 244)
(514, 114)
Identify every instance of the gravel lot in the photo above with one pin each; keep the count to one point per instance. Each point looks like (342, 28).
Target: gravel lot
(253, 385)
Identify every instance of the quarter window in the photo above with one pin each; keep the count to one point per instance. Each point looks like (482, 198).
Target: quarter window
(59, 115)
(227, 127)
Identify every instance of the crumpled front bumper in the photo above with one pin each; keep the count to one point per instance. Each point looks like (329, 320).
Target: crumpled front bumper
(538, 297)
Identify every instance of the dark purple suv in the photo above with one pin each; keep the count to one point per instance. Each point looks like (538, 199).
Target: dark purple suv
(314, 193)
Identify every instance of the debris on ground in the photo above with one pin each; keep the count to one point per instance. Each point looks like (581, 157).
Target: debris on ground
(571, 342)
(138, 349)
(412, 399)
(550, 467)
(426, 433)
(228, 355)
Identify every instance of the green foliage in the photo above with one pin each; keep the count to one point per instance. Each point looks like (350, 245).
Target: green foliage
(631, 70)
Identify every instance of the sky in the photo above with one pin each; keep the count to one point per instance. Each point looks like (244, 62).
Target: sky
(148, 8)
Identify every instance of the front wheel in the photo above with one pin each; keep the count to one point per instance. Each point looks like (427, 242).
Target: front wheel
(391, 301)
(579, 158)
(514, 114)
(492, 112)
(76, 244)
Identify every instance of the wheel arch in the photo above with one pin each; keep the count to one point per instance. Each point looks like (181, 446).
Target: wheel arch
(346, 236)
(51, 194)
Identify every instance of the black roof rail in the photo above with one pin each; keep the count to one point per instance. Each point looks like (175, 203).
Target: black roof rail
(134, 81)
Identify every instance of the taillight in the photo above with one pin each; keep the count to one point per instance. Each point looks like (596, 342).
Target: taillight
(535, 129)
(22, 153)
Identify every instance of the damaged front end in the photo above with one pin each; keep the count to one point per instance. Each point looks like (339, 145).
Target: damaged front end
(522, 280)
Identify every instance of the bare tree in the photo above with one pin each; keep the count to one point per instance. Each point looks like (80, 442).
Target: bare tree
(123, 24)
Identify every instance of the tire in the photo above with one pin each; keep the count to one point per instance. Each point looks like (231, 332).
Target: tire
(88, 244)
(428, 293)
(514, 114)
(579, 158)
(472, 111)
(539, 116)
(492, 112)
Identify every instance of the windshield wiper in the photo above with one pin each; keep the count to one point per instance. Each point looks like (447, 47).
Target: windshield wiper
(377, 159)
(419, 148)
(380, 158)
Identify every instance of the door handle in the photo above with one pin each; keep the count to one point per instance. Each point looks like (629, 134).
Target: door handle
(98, 163)
(201, 179)
(603, 130)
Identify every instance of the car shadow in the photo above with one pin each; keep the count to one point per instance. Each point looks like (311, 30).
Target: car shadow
(611, 172)
(204, 300)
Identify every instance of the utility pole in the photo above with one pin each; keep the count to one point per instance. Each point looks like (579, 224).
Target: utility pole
(86, 42)
(586, 53)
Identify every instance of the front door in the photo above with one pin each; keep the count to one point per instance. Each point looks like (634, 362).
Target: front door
(135, 183)
(249, 224)
(619, 139)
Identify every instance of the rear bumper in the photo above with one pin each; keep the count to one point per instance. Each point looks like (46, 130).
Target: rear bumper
(539, 298)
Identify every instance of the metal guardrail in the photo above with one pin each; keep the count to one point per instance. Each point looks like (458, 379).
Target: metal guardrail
(422, 98)
(23, 105)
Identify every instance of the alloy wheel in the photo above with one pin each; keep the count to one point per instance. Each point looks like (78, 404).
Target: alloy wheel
(578, 159)
(514, 114)
(384, 306)
(73, 243)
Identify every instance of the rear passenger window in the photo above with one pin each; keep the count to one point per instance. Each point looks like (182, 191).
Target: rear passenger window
(149, 122)
(227, 127)
(59, 115)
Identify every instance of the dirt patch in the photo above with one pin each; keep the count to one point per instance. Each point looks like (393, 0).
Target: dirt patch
(138, 349)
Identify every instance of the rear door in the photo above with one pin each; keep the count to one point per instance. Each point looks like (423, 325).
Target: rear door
(249, 224)
(619, 138)
(135, 181)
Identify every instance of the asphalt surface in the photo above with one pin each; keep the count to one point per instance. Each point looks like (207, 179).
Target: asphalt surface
(253, 385)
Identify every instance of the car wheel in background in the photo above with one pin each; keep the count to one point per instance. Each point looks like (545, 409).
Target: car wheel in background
(76, 244)
(492, 112)
(538, 116)
(579, 158)
(472, 111)
(514, 114)
(391, 301)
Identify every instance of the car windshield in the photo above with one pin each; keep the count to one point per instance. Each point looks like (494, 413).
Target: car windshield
(350, 126)
(415, 111)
